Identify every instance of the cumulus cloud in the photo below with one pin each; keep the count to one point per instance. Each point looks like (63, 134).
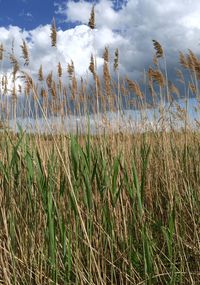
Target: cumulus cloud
(175, 24)
(129, 27)
(75, 45)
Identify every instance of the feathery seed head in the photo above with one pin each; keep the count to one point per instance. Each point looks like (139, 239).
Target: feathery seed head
(158, 48)
(49, 80)
(106, 54)
(134, 87)
(183, 60)
(25, 52)
(1, 52)
(15, 64)
(116, 60)
(92, 65)
(59, 70)
(91, 22)
(53, 33)
(70, 69)
(40, 74)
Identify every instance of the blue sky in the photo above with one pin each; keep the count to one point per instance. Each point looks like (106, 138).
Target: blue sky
(29, 14)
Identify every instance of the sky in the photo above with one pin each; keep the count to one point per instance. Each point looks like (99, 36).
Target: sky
(129, 25)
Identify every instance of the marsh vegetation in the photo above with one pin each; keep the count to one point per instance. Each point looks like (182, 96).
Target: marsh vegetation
(113, 207)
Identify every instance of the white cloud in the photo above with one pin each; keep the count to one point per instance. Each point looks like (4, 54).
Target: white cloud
(75, 44)
(175, 24)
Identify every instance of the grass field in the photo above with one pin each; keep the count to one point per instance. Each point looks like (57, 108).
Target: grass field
(112, 207)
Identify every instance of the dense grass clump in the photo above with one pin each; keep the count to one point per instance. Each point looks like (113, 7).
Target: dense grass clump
(112, 209)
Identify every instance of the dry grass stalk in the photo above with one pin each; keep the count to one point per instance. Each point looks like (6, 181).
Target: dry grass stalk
(53, 33)
(70, 69)
(25, 52)
(40, 74)
(155, 60)
(91, 22)
(1, 52)
(29, 83)
(194, 63)
(15, 63)
(14, 92)
(133, 86)
(106, 54)
(59, 70)
(4, 83)
(43, 93)
(173, 89)
(82, 90)
(123, 89)
(92, 66)
(192, 59)
(158, 48)
(193, 88)
(107, 79)
(53, 89)
(98, 85)
(190, 62)
(181, 112)
(180, 76)
(156, 76)
(49, 80)
(183, 60)
(74, 88)
(116, 60)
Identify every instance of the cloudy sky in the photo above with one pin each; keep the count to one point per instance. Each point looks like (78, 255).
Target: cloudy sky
(128, 25)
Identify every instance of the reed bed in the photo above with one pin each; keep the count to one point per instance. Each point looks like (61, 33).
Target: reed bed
(113, 207)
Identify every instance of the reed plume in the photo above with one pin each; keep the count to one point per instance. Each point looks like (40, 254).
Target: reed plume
(156, 76)
(183, 60)
(1, 52)
(107, 79)
(180, 76)
(116, 60)
(49, 80)
(92, 66)
(15, 64)
(4, 84)
(106, 54)
(53, 33)
(53, 89)
(74, 87)
(173, 89)
(70, 69)
(158, 48)
(40, 74)
(59, 70)
(25, 52)
(91, 22)
(82, 91)
(133, 86)
(29, 83)
(194, 63)
(193, 88)
(43, 93)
